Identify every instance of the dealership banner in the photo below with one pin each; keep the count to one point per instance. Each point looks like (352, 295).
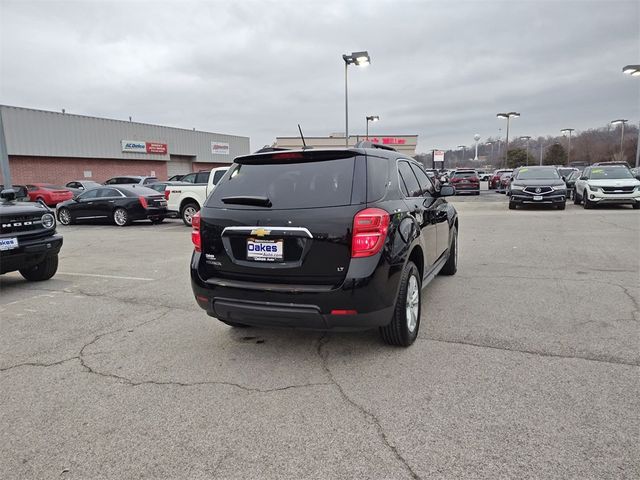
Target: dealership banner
(219, 148)
(135, 146)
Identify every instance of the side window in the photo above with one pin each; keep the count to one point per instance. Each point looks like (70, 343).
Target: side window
(410, 180)
(73, 185)
(91, 193)
(31, 188)
(111, 181)
(378, 178)
(108, 192)
(189, 178)
(202, 177)
(426, 186)
(586, 172)
(150, 180)
(217, 176)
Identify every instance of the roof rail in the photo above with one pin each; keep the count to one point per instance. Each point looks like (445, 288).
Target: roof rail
(368, 144)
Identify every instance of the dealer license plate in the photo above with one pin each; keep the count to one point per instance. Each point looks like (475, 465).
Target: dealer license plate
(537, 197)
(265, 250)
(8, 243)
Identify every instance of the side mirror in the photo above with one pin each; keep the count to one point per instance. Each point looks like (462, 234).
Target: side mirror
(447, 191)
(584, 178)
(637, 177)
(564, 179)
(80, 187)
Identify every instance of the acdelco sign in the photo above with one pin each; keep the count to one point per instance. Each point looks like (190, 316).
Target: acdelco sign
(135, 146)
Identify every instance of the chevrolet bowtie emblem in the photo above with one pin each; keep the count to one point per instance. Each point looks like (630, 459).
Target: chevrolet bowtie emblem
(260, 232)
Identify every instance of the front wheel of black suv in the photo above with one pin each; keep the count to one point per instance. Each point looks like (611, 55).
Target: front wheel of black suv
(561, 206)
(42, 271)
(512, 205)
(404, 326)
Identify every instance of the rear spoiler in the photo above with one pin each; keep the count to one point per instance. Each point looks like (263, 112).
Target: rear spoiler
(294, 156)
(367, 144)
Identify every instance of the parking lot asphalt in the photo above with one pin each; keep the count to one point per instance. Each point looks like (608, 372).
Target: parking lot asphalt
(526, 366)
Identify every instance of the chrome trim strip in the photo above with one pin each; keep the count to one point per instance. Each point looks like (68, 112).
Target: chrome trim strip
(266, 227)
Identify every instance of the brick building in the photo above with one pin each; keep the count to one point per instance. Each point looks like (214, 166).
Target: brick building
(57, 147)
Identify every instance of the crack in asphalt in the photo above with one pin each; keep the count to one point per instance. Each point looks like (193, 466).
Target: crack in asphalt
(39, 364)
(532, 352)
(324, 339)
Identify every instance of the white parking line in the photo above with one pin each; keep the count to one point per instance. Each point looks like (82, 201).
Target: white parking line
(116, 277)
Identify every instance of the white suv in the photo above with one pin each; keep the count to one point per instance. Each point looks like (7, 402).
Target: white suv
(607, 184)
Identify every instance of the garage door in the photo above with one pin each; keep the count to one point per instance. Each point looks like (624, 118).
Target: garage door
(178, 166)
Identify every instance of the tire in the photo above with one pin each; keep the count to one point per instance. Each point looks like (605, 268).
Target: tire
(451, 266)
(64, 216)
(478, 193)
(512, 205)
(121, 217)
(188, 211)
(576, 198)
(586, 203)
(562, 206)
(157, 221)
(636, 206)
(403, 328)
(42, 271)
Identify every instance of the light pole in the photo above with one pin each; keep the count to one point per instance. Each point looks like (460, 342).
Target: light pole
(476, 137)
(490, 143)
(464, 149)
(527, 138)
(634, 71)
(569, 131)
(622, 122)
(508, 116)
(371, 118)
(360, 59)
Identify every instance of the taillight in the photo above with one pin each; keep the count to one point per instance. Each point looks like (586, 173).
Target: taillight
(167, 192)
(143, 202)
(369, 232)
(195, 233)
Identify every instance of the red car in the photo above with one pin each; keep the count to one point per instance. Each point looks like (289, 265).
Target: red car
(494, 179)
(48, 194)
(465, 181)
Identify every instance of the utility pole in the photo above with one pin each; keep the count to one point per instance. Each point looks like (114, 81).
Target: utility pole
(569, 131)
(4, 157)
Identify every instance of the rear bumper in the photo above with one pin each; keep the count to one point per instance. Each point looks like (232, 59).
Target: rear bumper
(306, 307)
(29, 253)
(469, 187)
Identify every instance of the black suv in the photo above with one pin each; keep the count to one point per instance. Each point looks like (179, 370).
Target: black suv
(340, 239)
(537, 186)
(28, 242)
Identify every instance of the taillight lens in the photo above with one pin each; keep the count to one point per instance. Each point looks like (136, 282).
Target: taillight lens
(143, 202)
(167, 192)
(370, 228)
(195, 233)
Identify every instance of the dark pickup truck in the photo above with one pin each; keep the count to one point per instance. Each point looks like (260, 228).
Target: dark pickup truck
(28, 240)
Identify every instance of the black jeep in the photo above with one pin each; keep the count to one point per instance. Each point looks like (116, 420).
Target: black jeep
(338, 239)
(28, 242)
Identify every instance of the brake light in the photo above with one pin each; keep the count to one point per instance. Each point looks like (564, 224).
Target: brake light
(143, 202)
(369, 232)
(344, 312)
(195, 233)
(167, 192)
(287, 156)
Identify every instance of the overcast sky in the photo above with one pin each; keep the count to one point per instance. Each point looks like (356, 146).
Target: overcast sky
(441, 70)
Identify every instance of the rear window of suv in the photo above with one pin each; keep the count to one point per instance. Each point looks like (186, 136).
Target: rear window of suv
(310, 184)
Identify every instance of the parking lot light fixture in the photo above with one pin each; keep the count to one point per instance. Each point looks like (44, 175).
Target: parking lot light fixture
(490, 143)
(360, 59)
(633, 70)
(622, 122)
(371, 118)
(508, 116)
(569, 131)
(464, 149)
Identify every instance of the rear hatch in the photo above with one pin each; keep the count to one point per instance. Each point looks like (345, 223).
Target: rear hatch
(283, 218)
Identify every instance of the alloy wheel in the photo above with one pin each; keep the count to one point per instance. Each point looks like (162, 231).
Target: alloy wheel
(413, 303)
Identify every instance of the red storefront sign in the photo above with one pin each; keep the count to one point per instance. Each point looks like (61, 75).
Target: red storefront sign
(153, 147)
(388, 140)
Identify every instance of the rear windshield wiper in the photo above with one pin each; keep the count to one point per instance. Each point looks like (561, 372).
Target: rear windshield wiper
(248, 200)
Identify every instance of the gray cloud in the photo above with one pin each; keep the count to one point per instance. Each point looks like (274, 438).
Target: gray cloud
(439, 69)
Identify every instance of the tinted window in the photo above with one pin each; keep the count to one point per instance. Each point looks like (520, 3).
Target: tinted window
(150, 180)
(90, 194)
(202, 177)
(426, 187)
(111, 181)
(217, 176)
(289, 185)
(410, 180)
(159, 187)
(108, 192)
(377, 178)
(190, 178)
(73, 185)
(467, 174)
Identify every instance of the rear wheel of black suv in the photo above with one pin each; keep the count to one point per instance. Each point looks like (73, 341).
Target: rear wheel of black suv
(404, 326)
